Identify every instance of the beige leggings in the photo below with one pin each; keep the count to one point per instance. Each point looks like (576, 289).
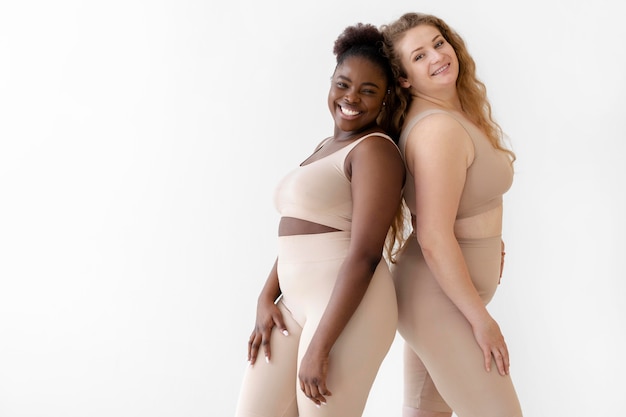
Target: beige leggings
(443, 364)
(307, 270)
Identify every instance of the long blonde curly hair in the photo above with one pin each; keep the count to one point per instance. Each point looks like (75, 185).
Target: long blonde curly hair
(472, 92)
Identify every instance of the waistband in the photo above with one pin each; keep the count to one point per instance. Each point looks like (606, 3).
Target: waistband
(313, 247)
(478, 242)
(473, 242)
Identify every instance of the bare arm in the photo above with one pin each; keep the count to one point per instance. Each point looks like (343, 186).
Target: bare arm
(377, 175)
(438, 153)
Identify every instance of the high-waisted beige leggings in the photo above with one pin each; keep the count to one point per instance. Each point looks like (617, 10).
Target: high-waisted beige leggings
(441, 357)
(307, 269)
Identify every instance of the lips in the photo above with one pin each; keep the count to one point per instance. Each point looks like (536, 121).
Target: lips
(349, 112)
(442, 69)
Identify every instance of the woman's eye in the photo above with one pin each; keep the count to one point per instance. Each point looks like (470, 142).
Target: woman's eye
(418, 57)
(342, 84)
(439, 44)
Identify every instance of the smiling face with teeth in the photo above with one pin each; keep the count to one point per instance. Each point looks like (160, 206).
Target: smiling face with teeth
(430, 62)
(357, 91)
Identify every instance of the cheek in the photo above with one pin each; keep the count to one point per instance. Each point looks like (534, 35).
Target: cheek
(374, 107)
(333, 94)
(420, 75)
(331, 97)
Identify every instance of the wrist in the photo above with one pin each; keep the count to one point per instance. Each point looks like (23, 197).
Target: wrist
(480, 319)
(318, 349)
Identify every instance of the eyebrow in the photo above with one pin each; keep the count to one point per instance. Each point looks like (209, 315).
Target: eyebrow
(343, 77)
(421, 47)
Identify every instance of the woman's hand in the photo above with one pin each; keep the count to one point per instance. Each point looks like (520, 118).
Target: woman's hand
(491, 342)
(268, 316)
(501, 260)
(312, 375)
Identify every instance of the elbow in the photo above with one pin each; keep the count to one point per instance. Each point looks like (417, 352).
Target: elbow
(367, 263)
(373, 260)
(432, 242)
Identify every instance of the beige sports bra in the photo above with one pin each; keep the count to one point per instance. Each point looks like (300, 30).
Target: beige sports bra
(319, 191)
(488, 177)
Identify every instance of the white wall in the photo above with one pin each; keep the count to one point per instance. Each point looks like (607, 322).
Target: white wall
(140, 143)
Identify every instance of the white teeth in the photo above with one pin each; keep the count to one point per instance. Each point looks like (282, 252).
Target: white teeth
(348, 112)
(440, 69)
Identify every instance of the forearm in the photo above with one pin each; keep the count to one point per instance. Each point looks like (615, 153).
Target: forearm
(445, 259)
(271, 290)
(352, 283)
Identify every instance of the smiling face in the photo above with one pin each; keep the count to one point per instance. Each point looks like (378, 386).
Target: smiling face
(430, 62)
(356, 95)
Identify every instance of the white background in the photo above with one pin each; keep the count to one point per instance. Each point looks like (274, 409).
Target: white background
(140, 143)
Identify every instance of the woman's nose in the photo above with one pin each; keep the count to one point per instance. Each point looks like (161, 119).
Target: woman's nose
(350, 97)
(436, 56)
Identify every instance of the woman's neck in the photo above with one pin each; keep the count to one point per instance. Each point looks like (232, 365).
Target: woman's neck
(341, 135)
(427, 102)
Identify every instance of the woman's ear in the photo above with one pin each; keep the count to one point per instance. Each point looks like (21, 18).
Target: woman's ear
(404, 83)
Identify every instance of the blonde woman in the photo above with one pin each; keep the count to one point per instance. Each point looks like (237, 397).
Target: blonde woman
(456, 358)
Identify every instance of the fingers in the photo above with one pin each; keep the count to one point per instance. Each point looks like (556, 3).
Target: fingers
(254, 344)
(265, 343)
(500, 356)
(260, 338)
(501, 265)
(487, 359)
(503, 253)
(315, 391)
(322, 392)
(280, 324)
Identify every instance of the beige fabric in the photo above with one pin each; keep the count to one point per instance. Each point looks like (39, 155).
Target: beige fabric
(320, 191)
(449, 362)
(488, 177)
(307, 268)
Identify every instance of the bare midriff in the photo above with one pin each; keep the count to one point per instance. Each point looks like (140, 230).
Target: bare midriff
(289, 226)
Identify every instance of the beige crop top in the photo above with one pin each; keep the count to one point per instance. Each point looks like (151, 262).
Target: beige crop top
(488, 177)
(319, 191)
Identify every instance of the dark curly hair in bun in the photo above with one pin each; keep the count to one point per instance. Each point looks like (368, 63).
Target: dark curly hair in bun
(364, 40)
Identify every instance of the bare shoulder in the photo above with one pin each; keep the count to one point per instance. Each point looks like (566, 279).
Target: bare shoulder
(377, 144)
(439, 131)
(438, 136)
(438, 125)
(376, 154)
